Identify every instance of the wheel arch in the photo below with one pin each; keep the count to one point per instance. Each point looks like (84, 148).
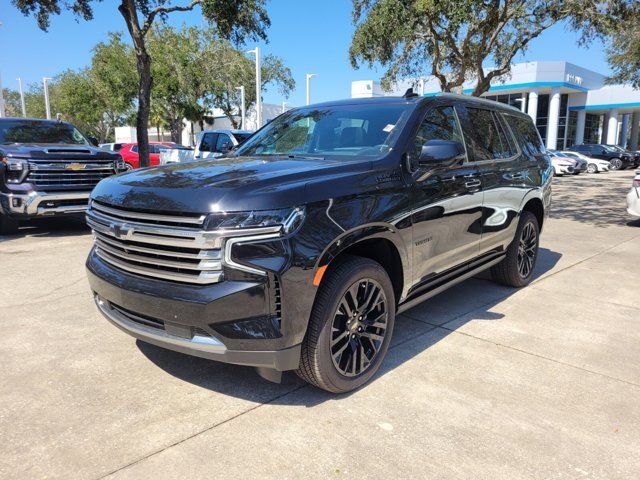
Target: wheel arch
(380, 243)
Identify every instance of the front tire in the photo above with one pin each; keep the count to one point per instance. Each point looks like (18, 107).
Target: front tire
(350, 326)
(592, 168)
(516, 269)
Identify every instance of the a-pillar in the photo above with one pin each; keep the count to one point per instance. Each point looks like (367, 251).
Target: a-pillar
(612, 127)
(580, 124)
(554, 119)
(635, 126)
(532, 109)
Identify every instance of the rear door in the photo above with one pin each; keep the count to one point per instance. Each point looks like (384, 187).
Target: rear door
(506, 172)
(448, 203)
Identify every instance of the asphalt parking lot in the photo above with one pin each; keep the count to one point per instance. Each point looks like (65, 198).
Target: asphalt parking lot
(481, 381)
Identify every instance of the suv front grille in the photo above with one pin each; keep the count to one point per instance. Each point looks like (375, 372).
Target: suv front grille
(69, 173)
(170, 247)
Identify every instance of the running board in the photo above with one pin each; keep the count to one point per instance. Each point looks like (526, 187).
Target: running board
(432, 293)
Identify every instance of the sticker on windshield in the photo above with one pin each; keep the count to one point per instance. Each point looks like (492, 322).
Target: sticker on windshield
(388, 128)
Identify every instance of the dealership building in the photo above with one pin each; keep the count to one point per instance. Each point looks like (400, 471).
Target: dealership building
(569, 104)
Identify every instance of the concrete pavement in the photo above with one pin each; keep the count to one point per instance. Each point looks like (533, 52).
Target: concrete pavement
(481, 382)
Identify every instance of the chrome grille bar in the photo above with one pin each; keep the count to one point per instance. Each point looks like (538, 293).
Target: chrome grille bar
(170, 247)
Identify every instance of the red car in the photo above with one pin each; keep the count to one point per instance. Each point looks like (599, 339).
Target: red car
(129, 153)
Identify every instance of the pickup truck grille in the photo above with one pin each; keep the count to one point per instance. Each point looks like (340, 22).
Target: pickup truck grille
(170, 247)
(60, 174)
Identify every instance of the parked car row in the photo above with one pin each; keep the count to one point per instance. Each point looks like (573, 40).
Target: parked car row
(618, 157)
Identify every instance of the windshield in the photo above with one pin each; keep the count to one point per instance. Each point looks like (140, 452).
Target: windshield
(34, 131)
(333, 131)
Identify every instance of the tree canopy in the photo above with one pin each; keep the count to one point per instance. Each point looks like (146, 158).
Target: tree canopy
(235, 20)
(454, 39)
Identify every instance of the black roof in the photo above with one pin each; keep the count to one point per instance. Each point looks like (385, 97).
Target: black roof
(467, 99)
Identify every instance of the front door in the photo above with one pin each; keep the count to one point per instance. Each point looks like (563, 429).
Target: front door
(448, 203)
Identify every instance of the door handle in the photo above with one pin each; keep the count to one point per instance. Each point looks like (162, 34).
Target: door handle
(471, 184)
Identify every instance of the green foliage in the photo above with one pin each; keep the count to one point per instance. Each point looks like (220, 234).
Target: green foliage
(12, 107)
(624, 57)
(453, 39)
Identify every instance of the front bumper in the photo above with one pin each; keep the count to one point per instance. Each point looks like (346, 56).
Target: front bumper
(190, 318)
(37, 204)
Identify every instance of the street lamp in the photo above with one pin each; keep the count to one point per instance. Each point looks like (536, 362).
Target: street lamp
(47, 106)
(22, 104)
(256, 52)
(242, 110)
(309, 76)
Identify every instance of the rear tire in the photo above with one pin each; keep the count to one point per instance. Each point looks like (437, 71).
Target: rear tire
(350, 326)
(8, 225)
(616, 164)
(516, 269)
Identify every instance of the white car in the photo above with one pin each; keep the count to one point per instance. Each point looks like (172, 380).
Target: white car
(633, 197)
(112, 147)
(594, 165)
(562, 165)
(210, 144)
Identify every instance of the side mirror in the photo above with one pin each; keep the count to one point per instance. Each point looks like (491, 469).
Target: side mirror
(93, 140)
(438, 153)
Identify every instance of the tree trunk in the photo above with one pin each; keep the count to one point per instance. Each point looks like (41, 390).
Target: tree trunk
(175, 127)
(128, 11)
(144, 106)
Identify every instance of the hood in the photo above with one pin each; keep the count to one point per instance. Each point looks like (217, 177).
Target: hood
(56, 151)
(231, 184)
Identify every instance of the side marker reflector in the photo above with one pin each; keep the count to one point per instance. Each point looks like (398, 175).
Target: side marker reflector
(318, 276)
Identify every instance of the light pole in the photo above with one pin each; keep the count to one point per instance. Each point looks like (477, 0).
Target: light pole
(256, 52)
(309, 77)
(22, 104)
(47, 106)
(242, 111)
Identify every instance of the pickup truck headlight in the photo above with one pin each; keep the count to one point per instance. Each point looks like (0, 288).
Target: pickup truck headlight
(17, 169)
(288, 218)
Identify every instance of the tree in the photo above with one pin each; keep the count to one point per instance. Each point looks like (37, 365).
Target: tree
(452, 39)
(230, 68)
(12, 106)
(623, 50)
(236, 20)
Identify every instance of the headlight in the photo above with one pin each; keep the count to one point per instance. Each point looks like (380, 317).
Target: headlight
(17, 169)
(288, 218)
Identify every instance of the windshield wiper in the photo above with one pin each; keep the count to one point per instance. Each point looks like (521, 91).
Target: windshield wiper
(304, 157)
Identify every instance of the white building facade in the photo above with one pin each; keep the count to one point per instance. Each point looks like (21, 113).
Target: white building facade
(569, 104)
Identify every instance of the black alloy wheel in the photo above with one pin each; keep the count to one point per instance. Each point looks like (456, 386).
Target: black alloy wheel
(351, 325)
(527, 250)
(359, 327)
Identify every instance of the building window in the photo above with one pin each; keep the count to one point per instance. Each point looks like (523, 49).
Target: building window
(513, 99)
(571, 130)
(542, 115)
(562, 121)
(592, 126)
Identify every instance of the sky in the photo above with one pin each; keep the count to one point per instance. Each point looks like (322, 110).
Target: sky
(312, 36)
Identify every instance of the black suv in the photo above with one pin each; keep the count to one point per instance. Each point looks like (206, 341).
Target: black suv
(47, 168)
(296, 251)
(619, 158)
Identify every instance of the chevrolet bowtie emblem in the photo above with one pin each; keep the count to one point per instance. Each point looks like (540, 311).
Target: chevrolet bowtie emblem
(76, 166)
(119, 231)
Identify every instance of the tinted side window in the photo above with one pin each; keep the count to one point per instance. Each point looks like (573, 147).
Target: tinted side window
(134, 149)
(526, 133)
(438, 124)
(506, 137)
(483, 136)
(222, 139)
(208, 142)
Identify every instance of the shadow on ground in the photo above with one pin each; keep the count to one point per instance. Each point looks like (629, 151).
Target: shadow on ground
(600, 210)
(415, 331)
(50, 228)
